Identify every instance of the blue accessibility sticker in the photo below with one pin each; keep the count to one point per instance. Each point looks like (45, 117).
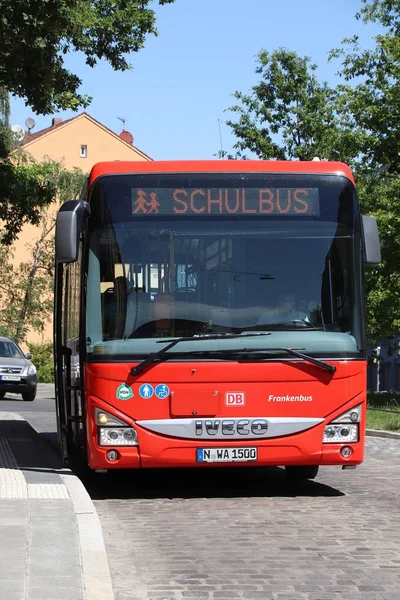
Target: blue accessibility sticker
(146, 390)
(162, 391)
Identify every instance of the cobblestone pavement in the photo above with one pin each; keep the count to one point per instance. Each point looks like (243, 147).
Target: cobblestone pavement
(249, 534)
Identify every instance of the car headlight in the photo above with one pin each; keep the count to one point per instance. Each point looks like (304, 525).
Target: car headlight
(32, 370)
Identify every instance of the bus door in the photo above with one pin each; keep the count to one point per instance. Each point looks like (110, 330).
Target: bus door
(68, 381)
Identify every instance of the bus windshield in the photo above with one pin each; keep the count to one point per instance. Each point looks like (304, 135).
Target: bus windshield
(179, 256)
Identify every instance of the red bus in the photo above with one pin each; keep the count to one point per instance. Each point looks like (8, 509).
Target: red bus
(212, 313)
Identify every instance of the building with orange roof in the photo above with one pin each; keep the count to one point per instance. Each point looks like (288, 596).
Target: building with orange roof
(79, 142)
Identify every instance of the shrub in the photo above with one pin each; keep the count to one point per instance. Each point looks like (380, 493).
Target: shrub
(42, 358)
(387, 399)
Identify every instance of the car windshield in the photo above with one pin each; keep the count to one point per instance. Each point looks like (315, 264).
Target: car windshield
(153, 276)
(9, 349)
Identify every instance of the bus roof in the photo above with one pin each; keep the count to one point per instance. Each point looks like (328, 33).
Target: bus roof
(219, 166)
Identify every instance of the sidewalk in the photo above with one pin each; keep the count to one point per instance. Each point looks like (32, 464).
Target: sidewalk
(51, 542)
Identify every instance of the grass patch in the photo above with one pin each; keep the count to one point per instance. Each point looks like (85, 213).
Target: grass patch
(383, 410)
(385, 419)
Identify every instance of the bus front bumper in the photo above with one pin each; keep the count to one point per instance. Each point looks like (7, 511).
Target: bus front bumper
(161, 452)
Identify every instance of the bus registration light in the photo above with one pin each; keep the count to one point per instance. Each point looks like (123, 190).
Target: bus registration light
(117, 436)
(334, 433)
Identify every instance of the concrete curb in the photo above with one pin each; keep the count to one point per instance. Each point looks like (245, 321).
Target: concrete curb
(95, 567)
(96, 577)
(383, 434)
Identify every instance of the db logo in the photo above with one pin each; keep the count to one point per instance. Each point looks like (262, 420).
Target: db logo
(235, 399)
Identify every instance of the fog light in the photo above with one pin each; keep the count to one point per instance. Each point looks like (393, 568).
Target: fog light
(112, 455)
(102, 418)
(346, 451)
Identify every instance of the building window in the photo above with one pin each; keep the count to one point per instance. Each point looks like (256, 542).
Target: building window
(83, 151)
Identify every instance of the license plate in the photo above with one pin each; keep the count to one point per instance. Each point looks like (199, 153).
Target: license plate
(10, 378)
(228, 455)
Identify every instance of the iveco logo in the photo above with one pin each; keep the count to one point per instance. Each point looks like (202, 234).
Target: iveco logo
(232, 427)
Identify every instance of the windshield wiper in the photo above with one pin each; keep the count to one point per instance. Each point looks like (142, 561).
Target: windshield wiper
(158, 356)
(310, 359)
(292, 351)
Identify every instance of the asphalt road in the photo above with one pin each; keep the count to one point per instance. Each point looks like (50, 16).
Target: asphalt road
(249, 534)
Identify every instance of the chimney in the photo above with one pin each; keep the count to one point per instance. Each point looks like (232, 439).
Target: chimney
(55, 122)
(126, 136)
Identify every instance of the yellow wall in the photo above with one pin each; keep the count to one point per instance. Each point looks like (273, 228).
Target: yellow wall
(63, 144)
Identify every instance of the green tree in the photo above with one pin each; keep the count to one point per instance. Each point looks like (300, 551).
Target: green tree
(381, 197)
(370, 94)
(26, 289)
(25, 186)
(36, 37)
(25, 293)
(5, 131)
(289, 114)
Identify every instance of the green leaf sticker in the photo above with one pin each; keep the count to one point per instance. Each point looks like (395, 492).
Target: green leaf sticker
(124, 392)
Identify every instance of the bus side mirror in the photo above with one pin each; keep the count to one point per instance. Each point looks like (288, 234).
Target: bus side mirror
(69, 224)
(372, 245)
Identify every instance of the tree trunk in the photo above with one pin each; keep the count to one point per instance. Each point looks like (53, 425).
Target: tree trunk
(27, 297)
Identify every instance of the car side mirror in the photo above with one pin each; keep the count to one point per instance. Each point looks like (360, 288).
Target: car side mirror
(28, 356)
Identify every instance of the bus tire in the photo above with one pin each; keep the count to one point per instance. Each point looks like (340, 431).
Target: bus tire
(303, 472)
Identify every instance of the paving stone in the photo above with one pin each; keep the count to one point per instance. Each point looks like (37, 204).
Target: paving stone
(251, 535)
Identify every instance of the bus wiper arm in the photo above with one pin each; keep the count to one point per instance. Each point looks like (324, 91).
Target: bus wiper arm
(295, 352)
(158, 356)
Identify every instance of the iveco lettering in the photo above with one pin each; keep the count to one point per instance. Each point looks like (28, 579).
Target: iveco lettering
(210, 313)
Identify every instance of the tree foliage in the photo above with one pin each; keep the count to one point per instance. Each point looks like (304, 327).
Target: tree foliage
(27, 187)
(42, 356)
(26, 300)
(290, 114)
(370, 93)
(5, 131)
(26, 289)
(37, 36)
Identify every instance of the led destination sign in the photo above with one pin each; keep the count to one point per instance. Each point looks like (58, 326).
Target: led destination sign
(293, 202)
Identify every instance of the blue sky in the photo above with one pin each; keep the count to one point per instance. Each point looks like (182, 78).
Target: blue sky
(183, 80)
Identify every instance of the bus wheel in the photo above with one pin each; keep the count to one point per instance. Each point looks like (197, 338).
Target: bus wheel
(306, 472)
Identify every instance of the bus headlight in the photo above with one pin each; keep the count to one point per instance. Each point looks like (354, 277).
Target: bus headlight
(335, 432)
(345, 428)
(117, 436)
